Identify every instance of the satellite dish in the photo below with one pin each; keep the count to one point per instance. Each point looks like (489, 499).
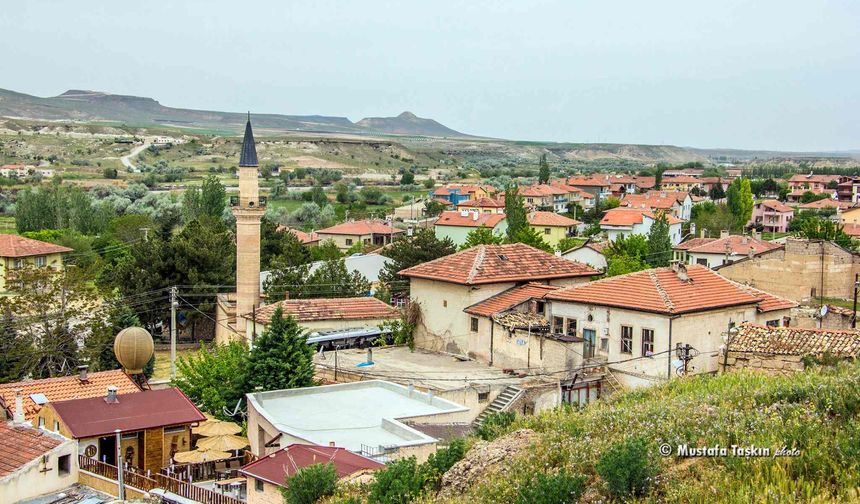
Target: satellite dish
(823, 310)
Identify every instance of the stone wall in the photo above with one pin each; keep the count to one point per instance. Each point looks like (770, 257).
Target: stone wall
(768, 363)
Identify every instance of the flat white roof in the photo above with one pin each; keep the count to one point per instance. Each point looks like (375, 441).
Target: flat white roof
(351, 414)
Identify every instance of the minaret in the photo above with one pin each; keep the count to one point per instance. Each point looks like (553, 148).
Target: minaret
(248, 214)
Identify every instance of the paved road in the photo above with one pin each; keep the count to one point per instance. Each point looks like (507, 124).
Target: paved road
(126, 160)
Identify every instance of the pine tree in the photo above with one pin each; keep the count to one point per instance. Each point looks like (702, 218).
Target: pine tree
(543, 173)
(281, 357)
(515, 212)
(659, 243)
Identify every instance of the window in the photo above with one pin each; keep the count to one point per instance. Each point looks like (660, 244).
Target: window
(626, 339)
(56, 426)
(703, 262)
(41, 423)
(258, 485)
(772, 323)
(546, 231)
(349, 241)
(484, 396)
(474, 324)
(557, 325)
(540, 307)
(132, 435)
(41, 261)
(571, 327)
(604, 344)
(175, 429)
(445, 303)
(19, 263)
(64, 464)
(647, 342)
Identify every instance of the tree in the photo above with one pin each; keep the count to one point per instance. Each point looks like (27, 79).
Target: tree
(769, 186)
(634, 245)
(515, 212)
(317, 195)
(399, 483)
(408, 178)
(209, 200)
(740, 201)
(214, 378)
(406, 252)
(281, 357)
(623, 264)
(310, 483)
(331, 279)
(98, 346)
(659, 242)
(826, 229)
(658, 176)
(717, 193)
(51, 310)
(809, 197)
(543, 171)
(531, 237)
(204, 254)
(433, 208)
(481, 236)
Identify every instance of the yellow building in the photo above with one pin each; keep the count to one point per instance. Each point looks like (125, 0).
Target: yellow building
(17, 251)
(851, 216)
(365, 232)
(552, 227)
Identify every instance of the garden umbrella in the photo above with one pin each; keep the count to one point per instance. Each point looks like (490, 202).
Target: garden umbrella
(225, 442)
(198, 455)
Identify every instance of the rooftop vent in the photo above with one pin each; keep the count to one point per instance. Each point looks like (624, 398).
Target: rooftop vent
(39, 399)
(111, 395)
(82, 373)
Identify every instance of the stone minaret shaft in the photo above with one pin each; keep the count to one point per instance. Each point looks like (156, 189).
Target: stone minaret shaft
(248, 215)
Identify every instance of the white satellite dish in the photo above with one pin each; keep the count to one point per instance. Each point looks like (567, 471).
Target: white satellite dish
(823, 310)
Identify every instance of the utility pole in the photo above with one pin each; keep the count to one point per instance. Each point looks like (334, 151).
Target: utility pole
(854, 313)
(119, 467)
(173, 305)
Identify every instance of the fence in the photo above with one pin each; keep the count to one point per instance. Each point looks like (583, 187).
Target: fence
(147, 483)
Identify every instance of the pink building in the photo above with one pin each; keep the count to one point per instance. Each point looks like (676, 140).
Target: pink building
(773, 215)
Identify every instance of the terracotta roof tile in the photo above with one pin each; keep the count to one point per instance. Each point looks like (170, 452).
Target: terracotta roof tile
(18, 246)
(472, 219)
(824, 179)
(275, 468)
(22, 445)
(482, 203)
(795, 341)
(662, 290)
(737, 244)
(629, 216)
(303, 237)
(485, 264)
(776, 206)
(509, 299)
(681, 179)
(551, 219)
(825, 203)
(311, 310)
(360, 228)
(852, 230)
(537, 191)
(64, 388)
(132, 412)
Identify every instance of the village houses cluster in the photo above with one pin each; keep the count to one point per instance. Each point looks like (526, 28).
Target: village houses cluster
(497, 328)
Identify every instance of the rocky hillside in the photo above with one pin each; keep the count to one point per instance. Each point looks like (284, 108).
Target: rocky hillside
(408, 123)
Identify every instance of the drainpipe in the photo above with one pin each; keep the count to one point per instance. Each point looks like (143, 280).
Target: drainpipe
(669, 354)
(492, 326)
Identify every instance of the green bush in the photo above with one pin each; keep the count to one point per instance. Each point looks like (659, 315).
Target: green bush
(438, 463)
(495, 424)
(628, 467)
(310, 483)
(561, 488)
(398, 483)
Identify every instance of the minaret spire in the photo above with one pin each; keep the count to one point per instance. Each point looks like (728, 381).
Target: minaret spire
(248, 156)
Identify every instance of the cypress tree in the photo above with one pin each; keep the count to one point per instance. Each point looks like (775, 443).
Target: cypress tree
(281, 357)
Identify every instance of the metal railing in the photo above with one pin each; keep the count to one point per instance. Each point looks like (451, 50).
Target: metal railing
(150, 482)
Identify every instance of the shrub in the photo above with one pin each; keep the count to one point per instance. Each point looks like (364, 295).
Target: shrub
(439, 463)
(495, 424)
(310, 483)
(398, 483)
(628, 467)
(561, 488)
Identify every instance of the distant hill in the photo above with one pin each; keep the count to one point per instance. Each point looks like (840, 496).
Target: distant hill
(408, 123)
(90, 106)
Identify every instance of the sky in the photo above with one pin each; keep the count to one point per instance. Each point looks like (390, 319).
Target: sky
(764, 74)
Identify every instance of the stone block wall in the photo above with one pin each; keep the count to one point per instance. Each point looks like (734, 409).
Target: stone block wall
(768, 363)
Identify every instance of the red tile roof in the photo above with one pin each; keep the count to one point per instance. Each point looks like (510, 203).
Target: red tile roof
(801, 192)
(852, 230)
(64, 388)
(482, 203)
(92, 417)
(776, 206)
(823, 179)
(510, 298)
(795, 341)
(485, 264)
(768, 302)
(654, 200)
(360, 228)
(551, 219)
(275, 468)
(663, 291)
(18, 246)
(21, 445)
(303, 237)
(623, 216)
(825, 203)
(735, 244)
(541, 190)
(681, 179)
(472, 219)
(312, 310)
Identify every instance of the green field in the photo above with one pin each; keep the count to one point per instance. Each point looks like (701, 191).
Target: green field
(7, 224)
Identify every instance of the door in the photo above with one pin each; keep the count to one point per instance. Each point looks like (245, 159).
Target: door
(107, 450)
(590, 338)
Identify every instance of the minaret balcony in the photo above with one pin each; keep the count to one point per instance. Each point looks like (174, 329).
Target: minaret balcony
(236, 202)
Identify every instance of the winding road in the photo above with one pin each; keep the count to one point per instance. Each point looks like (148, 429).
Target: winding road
(126, 160)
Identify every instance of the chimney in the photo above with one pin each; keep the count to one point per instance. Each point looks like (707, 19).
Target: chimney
(757, 235)
(681, 271)
(82, 373)
(111, 395)
(331, 444)
(752, 251)
(475, 216)
(702, 233)
(724, 233)
(745, 239)
(19, 418)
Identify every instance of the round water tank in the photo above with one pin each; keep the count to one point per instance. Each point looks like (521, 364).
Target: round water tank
(133, 348)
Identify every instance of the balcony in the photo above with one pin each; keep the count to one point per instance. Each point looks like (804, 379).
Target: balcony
(262, 200)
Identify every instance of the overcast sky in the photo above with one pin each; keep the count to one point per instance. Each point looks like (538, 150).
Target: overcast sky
(764, 74)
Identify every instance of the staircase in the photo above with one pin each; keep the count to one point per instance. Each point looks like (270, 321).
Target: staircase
(612, 382)
(501, 403)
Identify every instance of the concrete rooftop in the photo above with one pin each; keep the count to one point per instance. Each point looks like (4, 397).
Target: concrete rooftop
(424, 369)
(351, 414)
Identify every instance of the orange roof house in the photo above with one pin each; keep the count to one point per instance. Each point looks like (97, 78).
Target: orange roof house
(482, 205)
(366, 232)
(17, 251)
(469, 219)
(714, 252)
(80, 386)
(324, 314)
(638, 320)
(510, 298)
